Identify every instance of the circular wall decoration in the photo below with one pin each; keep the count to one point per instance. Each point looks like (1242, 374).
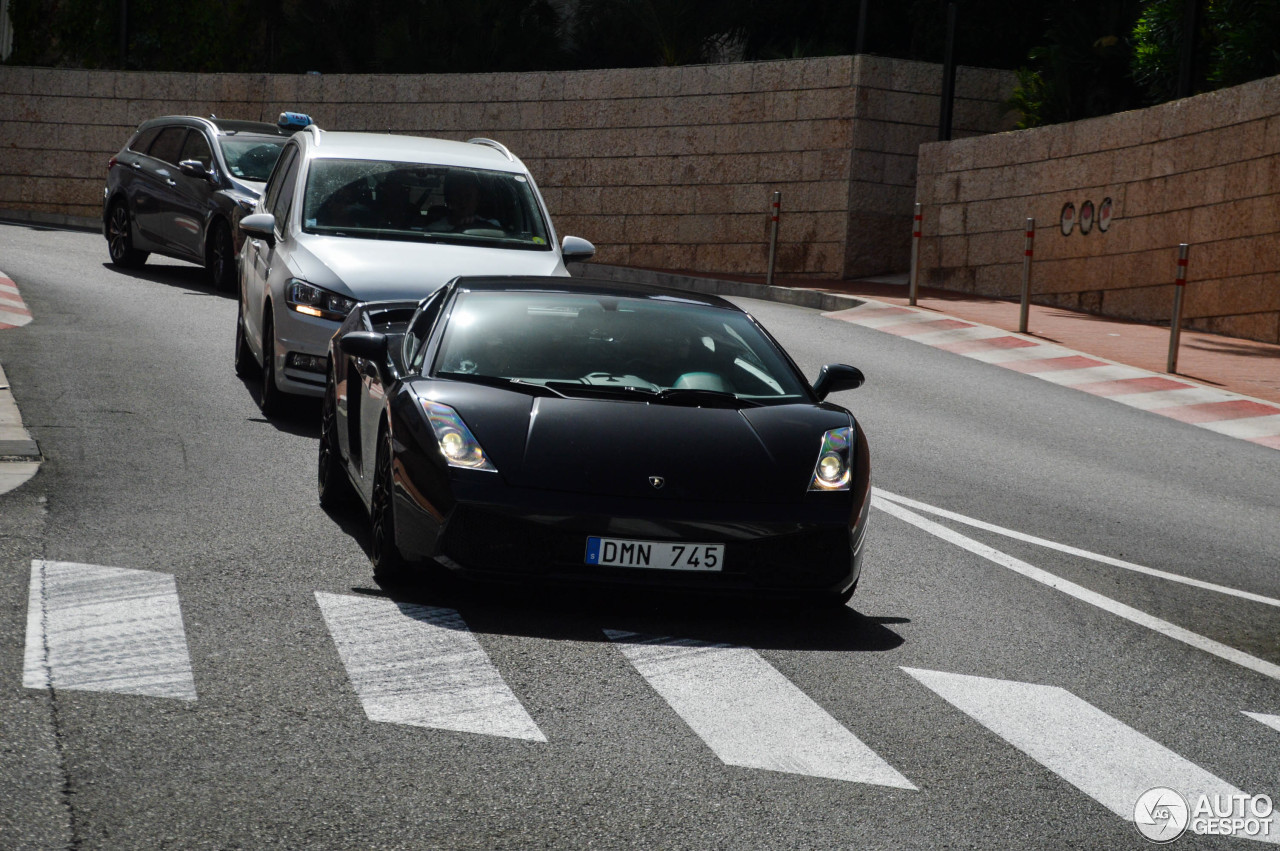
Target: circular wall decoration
(1068, 218)
(1104, 215)
(1086, 217)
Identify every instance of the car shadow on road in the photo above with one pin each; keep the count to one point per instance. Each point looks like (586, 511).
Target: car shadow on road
(583, 614)
(301, 419)
(193, 278)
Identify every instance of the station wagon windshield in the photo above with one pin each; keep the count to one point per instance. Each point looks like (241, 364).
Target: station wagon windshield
(588, 345)
(411, 201)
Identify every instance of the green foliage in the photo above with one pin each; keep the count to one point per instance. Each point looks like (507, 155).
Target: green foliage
(1081, 67)
(1236, 41)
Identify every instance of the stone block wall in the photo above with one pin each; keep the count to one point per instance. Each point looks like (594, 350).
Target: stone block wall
(659, 167)
(1204, 170)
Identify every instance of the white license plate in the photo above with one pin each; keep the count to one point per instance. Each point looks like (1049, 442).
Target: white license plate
(657, 555)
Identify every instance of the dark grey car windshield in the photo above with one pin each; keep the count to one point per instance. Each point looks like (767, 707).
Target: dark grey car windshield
(411, 201)
(585, 344)
(251, 157)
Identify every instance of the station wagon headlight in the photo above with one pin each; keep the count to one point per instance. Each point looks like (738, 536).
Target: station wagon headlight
(457, 444)
(311, 300)
(833, 472)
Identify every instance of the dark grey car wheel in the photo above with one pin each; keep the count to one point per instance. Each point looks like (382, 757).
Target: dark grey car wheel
(246, 366)
(389, 566)
(220, 259)
(120, 238)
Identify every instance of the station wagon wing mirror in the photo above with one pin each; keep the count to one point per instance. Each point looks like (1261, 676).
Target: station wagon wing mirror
(835, 377)
(260, 226)
(575, 249)
(195, 168)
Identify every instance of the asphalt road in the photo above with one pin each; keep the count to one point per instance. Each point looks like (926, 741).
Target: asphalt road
(982, 690)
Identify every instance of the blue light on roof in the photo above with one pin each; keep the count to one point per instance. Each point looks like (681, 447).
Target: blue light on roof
(293, 120)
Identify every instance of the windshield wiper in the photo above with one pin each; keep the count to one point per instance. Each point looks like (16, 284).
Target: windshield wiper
(574, 388)
(694, 397)
(499, 381)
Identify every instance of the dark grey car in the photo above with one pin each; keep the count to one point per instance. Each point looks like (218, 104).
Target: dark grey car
(180, 187)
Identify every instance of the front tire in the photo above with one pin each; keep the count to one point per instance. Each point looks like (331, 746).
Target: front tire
(269, 397)
(120, 238)
(389, 566)
(220, 259)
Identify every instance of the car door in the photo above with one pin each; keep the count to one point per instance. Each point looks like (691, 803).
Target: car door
(190, 199)
(260, 257)
(155, 183)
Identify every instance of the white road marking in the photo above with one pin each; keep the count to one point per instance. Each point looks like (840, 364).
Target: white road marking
(1246, 427)
(1087, 374)
(749, 714)
(1115, 607)
(1075, 551)
(957, 335)
(1027, 353)
(1099, 755)
(420, 665)
(1171, 398)
(93, 628)
(1272, 721)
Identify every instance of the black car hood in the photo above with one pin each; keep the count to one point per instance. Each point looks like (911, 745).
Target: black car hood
(621, 448)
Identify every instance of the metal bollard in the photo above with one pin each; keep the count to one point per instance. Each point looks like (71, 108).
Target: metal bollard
(916, 227)
(773, 238)
(1026, 275)
(1175, 327)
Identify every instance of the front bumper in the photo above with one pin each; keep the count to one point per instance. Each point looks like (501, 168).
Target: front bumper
(779, 551)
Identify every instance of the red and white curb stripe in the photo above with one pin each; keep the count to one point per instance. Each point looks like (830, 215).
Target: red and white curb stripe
(1221, 411)
(13, 311)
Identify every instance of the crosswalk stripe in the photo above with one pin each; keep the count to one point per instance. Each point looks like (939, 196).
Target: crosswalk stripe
(1272, 721)
(421, 665)
(1099, 755)
(749, 714)
(93, 628)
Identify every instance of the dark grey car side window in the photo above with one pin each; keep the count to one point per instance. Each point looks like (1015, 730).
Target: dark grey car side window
(197, 148)
(168, 145)
(143, 140)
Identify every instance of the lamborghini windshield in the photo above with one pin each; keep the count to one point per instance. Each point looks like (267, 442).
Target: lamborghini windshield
(587, 345)
(411, 201)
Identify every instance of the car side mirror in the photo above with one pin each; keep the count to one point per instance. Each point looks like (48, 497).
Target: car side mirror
(575, 249)
(370, 346)
(835, 377)
(260, 226)
(195, 168)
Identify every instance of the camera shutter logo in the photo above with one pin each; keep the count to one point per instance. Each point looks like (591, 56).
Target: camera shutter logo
(1161, 814)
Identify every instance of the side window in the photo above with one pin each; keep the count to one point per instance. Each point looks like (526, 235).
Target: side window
(197, 148)
(168, 145)
(141, 142)
(280, 205)
(277, 174)
(415, 338)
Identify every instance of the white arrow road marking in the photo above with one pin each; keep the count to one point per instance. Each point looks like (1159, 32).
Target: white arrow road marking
(749, 714)
(1075, 551)
(1099, 755)
(420, 665)
(92, 628)
(1272, 721)
(1081, 593)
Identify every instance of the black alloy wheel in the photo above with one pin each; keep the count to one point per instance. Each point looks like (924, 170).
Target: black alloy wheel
(269, 395)
(120, 238)
(220, 259)
(245, 364)
(334, 486)
(389, 566)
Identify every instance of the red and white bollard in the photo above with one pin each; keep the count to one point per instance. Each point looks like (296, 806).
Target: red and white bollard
(1175, 327)
(1027, 252)
(916, 225)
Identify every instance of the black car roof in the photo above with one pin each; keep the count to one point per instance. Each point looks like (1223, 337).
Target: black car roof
(587, 286)
(226, 126)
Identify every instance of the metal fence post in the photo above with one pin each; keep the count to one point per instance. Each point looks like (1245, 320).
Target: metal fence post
(916, 225)
(773, 238)
(1026, 275)
(1175, 327)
